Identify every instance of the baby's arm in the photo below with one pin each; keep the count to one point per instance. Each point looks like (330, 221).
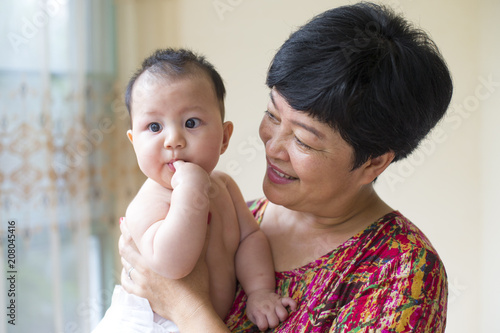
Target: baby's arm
(255, 268)
(172, 243)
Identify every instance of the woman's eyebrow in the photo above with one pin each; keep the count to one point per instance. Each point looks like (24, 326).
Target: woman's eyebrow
(272, 98)
(308, 128)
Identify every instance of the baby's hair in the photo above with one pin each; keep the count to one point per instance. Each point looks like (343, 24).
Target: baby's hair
(177, 63)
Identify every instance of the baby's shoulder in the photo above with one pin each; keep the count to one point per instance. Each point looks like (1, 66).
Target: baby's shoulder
(221, 181)
(151, 192)
(219, 176)
(151, 203)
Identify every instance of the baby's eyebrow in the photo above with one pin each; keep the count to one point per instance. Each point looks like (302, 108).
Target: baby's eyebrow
(150, 112)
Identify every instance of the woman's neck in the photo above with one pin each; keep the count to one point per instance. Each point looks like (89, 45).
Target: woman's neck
(365, 208)
(298, 238)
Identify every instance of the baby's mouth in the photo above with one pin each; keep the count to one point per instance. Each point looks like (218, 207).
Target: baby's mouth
(170, 165)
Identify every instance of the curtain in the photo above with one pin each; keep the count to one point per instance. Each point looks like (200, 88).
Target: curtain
(65, 167)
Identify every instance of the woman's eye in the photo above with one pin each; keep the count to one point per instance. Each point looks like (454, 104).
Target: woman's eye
(302, 144)
(192, 122)
(270, 116)
(154, 127)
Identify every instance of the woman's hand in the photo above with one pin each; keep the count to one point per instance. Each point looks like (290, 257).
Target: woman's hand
(185, 301)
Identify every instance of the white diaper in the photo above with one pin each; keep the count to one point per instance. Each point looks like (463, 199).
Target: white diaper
(129, 313)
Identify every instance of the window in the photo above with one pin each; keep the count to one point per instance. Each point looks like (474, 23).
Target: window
(58, 124)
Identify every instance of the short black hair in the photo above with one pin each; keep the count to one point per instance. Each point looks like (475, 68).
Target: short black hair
(176, 63)
(369, 74)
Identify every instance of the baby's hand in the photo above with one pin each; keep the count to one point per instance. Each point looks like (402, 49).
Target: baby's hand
(191, 175)
(266, 309)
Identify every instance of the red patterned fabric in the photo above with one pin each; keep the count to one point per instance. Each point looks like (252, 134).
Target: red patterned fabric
(387, 278)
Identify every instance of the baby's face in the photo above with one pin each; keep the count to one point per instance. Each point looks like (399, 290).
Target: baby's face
(176, 119)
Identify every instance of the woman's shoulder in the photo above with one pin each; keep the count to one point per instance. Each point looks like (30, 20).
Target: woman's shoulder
(396, 230)
(400, 246)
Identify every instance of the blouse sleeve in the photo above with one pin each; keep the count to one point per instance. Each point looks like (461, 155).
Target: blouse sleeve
(407, 294)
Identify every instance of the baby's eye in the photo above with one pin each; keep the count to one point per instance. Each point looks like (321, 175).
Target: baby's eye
(154, 127)
(193, 122)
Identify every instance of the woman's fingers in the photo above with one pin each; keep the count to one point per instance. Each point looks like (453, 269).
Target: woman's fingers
(127, 248)
(127, 237)
(133, 272)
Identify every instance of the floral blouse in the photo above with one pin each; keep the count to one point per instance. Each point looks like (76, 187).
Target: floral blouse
(387, 278)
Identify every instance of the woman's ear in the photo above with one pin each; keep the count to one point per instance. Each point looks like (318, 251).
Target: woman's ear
(376, 165)
(130, 136)
(227, 132)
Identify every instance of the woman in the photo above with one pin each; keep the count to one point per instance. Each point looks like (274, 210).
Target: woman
(352, 91)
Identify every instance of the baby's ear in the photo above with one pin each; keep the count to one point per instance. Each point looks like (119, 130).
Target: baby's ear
(130, 136)
(228, 131)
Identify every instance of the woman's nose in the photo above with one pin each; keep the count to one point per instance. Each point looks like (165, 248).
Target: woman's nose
(274, 141)
(275, 147)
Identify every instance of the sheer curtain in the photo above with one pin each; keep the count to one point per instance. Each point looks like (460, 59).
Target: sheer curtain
(62, 127)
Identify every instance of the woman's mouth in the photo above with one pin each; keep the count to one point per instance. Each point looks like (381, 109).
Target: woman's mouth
(282, 174)
(277, 176)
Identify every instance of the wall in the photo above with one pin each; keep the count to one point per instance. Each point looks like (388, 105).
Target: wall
(449, 187)
(490, 166)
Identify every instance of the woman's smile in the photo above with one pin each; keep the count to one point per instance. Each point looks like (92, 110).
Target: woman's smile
(277, 176)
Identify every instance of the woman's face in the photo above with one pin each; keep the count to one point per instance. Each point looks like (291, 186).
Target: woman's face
(308, 163)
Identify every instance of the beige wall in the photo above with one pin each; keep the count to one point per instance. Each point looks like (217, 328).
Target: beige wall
(450, 187)
(490, 166)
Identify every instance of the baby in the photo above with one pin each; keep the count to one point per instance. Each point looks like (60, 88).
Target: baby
(176, 104)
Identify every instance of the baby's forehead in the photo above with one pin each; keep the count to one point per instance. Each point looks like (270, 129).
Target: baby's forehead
(167, 71)
(156, 78)
(149, 86)
(152, 78)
